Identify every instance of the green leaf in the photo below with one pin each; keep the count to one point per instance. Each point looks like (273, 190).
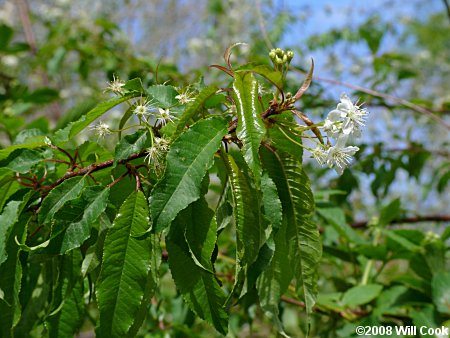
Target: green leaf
(22, 160)
(390, 212)
(10, 279)
(74, 221)
(193, 108)
(440, 287)
(336, 218)
(275, 279)
(164, 95)
(68, 320)
(296, 197)
(188, 160)
(66, 191)
(125, 269)
(134, 85)
(38, 142)
(250, 223)
(192, 232)
(74, 128)
(8, 186)
(126, 116)
(68, 299)
(274, 76)
(361, 294)
(8, 218)
(272, 204)
(41, 95)
(131, 144)
(250, 129)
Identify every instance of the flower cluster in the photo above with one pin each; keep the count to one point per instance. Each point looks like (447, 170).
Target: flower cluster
(115, 86)
(146, 109)
(346, 119)
(156, 154)
(101, 129)
(280, 57)
(185, 96)
(341, 123)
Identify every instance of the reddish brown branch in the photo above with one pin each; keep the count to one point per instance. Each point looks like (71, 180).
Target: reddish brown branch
(415, 219)
(93, 168)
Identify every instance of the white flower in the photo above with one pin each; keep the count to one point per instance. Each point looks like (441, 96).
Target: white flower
(354, 116)
(333, 123)
(115, 86)
(101, 129)
(339, 156)
(164, 116)
(319, 154)
(186, 96)
(142, 109)
(47, 141)
(156, 154)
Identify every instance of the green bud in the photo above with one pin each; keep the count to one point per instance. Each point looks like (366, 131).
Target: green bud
(279, 52)
(285, 58)
(290, 55)
(279, 61)
(272, 54)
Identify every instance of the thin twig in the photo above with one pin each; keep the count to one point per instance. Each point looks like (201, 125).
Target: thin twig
(415, 219)
(94, 167)
(403, 102)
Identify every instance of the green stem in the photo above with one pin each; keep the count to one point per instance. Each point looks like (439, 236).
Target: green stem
(370, 262)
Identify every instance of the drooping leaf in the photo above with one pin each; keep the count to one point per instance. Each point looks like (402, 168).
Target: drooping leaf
(190, 156)
(8, 186)
(10, 279)
(274, 280)
(70, 317)
(8, 218)
(66, 191)
(193, 108)
(250, 129)
(298, 205)
(272, 204)
(193, 234)
(131, 144)
(250, 223)
(306, 83)
(125, 269)
(68, 299)
(125, 117)
(227, 53)
(74, 221)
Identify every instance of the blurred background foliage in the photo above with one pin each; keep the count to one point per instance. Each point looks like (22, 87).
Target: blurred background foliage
(384, 221)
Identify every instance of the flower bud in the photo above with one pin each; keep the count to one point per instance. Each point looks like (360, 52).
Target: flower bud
(290, 55)
(272, 54)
